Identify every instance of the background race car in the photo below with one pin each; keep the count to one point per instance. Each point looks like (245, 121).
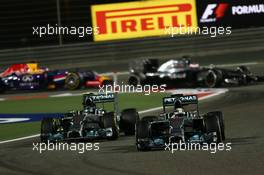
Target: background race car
(184, 73)
(29, 76)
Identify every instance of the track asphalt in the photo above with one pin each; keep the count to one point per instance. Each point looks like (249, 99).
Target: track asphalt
(243, 109)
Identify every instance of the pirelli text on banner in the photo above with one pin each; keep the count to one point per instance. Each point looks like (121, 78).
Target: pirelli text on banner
(142, 18)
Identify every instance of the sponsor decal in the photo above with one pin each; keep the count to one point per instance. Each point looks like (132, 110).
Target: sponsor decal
(235, 14)
(141, 19)
(188, 99)
(101, 97)
(59, 78)
(27, 78)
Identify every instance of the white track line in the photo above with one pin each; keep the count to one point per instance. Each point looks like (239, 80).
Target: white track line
(140, 112)
(21, 138)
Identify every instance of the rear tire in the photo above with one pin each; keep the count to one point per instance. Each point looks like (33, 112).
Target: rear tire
(128, 121)
(2, 86)
(47, 129)
(134, 81)
(109, 121)
(2, 90)
(73, 81)
(212, 79)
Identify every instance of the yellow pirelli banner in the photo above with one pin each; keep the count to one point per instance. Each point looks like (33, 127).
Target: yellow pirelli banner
(142, 19)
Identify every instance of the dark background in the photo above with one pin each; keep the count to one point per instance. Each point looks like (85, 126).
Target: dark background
(19, 16)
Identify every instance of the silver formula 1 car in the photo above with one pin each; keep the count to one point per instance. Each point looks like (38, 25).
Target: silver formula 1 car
(93, 122)
(184, 73)
(183, 123)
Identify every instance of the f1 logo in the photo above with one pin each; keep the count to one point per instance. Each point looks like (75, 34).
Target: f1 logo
(218, 10)
(209, 11)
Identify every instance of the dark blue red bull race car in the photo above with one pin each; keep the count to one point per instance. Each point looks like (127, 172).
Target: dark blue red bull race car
(29, 76)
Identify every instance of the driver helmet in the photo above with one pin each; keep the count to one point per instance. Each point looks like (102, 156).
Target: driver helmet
(187, 59)
(89, 106)
(88, 102)
(178, 109)
(177, 104)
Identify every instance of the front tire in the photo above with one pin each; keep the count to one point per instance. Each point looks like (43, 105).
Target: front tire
(47, 129)
(128, 121)
(213, 124)
(142, 131)
(109, 121)
(220, 116)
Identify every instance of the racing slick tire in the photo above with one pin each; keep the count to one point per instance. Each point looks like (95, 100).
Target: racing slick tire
(2, 87)
(109, 121)
(73, 81)
(212, 78)
(47, 129)
(142, 131)
(133, 80)
(212, 124)
(2, 90)
(219, 114)
(128, 121)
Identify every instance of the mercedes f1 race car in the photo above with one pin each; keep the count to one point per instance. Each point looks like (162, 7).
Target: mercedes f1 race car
(30, 77)
(179, 122)
(183, 73)
(93, 122)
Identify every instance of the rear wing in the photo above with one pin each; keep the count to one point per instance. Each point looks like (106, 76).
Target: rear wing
(100, 98)
(103, 98)
(183, 99)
